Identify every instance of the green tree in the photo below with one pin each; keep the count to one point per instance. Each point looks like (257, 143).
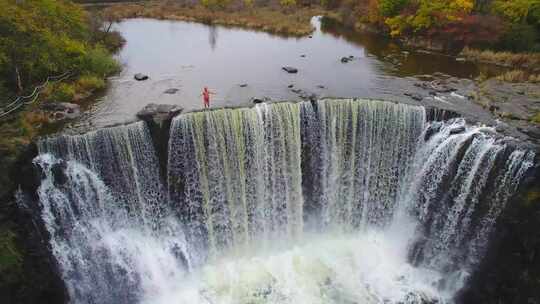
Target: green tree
(430, 14)
(39, 38)
(517, 11)
(390, 8)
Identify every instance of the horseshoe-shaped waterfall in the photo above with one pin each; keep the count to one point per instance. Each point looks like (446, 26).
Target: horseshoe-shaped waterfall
(335, 201)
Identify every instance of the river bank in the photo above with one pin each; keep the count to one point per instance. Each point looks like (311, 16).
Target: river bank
(276, 20)
(295, 21)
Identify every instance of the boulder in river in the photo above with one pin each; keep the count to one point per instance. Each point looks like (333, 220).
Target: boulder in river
(414, 96)
(456, 130)
(290, 69)
(425, 77)
(158, 113)
(62, 110)
(243, 85)
(260, 100)
(140, 77)
(308, 96)
(171, 91)
(345, 59)
(59, 174)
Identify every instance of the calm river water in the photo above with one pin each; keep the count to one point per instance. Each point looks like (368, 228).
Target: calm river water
(239, 65)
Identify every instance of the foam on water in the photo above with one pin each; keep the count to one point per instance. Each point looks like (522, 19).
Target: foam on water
(327, 268)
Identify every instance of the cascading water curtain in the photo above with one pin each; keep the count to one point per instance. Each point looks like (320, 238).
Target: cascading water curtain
(462, 179)
(335, 201)
(361, 152)
(235, 175)
(103, 205)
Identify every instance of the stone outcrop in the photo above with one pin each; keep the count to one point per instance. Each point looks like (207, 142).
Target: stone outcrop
(158, 118)
(510, 271)
(140, 77)
(158, 113)
(36, 279)
(61, 110)
(290, 69)
(516, 103)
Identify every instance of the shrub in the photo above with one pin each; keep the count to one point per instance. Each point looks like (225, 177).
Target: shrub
(514, 76)
(520, 60)
(113, 40)
(63, 92)
(536, 119)
(89, 83)
(520, 38)
(519, 76)
(98, 61)
(10, 258)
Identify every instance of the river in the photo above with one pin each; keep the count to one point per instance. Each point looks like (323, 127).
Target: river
(239, 65)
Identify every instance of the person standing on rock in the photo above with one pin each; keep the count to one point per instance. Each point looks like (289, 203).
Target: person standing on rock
(206, 97)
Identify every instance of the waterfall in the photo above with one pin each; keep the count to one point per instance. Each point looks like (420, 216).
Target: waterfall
(241, 174)
(461, 181)
(103, 205)
(334, 201)
(362, 152)
(126, 161)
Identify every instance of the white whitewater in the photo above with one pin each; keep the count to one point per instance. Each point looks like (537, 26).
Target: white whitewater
(338, 201)
(103, 206)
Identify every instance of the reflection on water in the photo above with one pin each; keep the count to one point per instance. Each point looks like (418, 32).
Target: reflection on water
(406, 63)
(212, 36)
(247, 64)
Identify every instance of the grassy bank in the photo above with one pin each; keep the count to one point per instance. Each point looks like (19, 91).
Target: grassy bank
(517, 76)
(273, 19)
(525, 61)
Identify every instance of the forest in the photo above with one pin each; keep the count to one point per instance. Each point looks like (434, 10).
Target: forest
(512, 25)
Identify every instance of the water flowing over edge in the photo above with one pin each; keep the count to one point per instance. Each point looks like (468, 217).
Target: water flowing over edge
(369, 173)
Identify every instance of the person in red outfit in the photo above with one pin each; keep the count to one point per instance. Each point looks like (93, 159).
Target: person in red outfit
(206, 97)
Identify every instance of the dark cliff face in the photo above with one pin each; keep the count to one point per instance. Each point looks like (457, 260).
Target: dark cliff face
(510, 272)
(34, 278)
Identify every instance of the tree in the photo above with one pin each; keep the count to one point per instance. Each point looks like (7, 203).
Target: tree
(40, 38)
(429, 14)
(517, 11)
(390, 8)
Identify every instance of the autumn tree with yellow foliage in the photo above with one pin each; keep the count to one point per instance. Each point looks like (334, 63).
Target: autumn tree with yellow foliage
(504, 24)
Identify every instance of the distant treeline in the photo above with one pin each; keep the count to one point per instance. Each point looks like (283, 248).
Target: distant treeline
(106, 1)
(512, 25)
